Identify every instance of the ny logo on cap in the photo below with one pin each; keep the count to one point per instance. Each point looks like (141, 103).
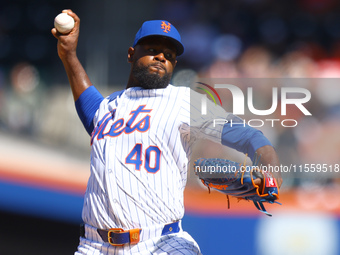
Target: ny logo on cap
(165, 26)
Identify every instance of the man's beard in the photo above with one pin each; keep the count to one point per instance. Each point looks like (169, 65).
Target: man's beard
(149, 80)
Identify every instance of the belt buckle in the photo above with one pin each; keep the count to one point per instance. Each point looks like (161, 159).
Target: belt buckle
(114, 230)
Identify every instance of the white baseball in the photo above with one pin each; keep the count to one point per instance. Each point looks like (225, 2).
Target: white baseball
(64, 23)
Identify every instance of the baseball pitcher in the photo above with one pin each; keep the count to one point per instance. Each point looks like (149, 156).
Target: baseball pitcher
(140, 139)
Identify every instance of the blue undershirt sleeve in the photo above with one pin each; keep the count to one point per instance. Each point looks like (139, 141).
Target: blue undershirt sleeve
(243, 138)
(86, 105)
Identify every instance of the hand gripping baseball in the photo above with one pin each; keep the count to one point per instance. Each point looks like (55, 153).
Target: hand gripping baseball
(67, 43)
(237, 180)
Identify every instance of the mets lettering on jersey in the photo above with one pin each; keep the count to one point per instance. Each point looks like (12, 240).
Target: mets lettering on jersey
(119, 126)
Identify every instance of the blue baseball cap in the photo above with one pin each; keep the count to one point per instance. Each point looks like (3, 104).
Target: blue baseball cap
(160, 28)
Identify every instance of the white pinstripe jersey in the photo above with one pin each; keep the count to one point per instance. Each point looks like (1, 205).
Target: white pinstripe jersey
(139, 158)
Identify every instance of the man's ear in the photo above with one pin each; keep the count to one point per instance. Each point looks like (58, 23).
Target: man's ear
(131, 52)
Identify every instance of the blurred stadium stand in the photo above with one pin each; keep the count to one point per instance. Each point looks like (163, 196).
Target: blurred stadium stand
(44, 150)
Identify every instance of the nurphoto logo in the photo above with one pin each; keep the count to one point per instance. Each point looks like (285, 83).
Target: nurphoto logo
(285, 95)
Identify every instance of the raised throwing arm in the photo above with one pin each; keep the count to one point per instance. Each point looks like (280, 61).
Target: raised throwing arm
(67, 52)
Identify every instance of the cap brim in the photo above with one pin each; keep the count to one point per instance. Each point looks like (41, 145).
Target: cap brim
(178, 45)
